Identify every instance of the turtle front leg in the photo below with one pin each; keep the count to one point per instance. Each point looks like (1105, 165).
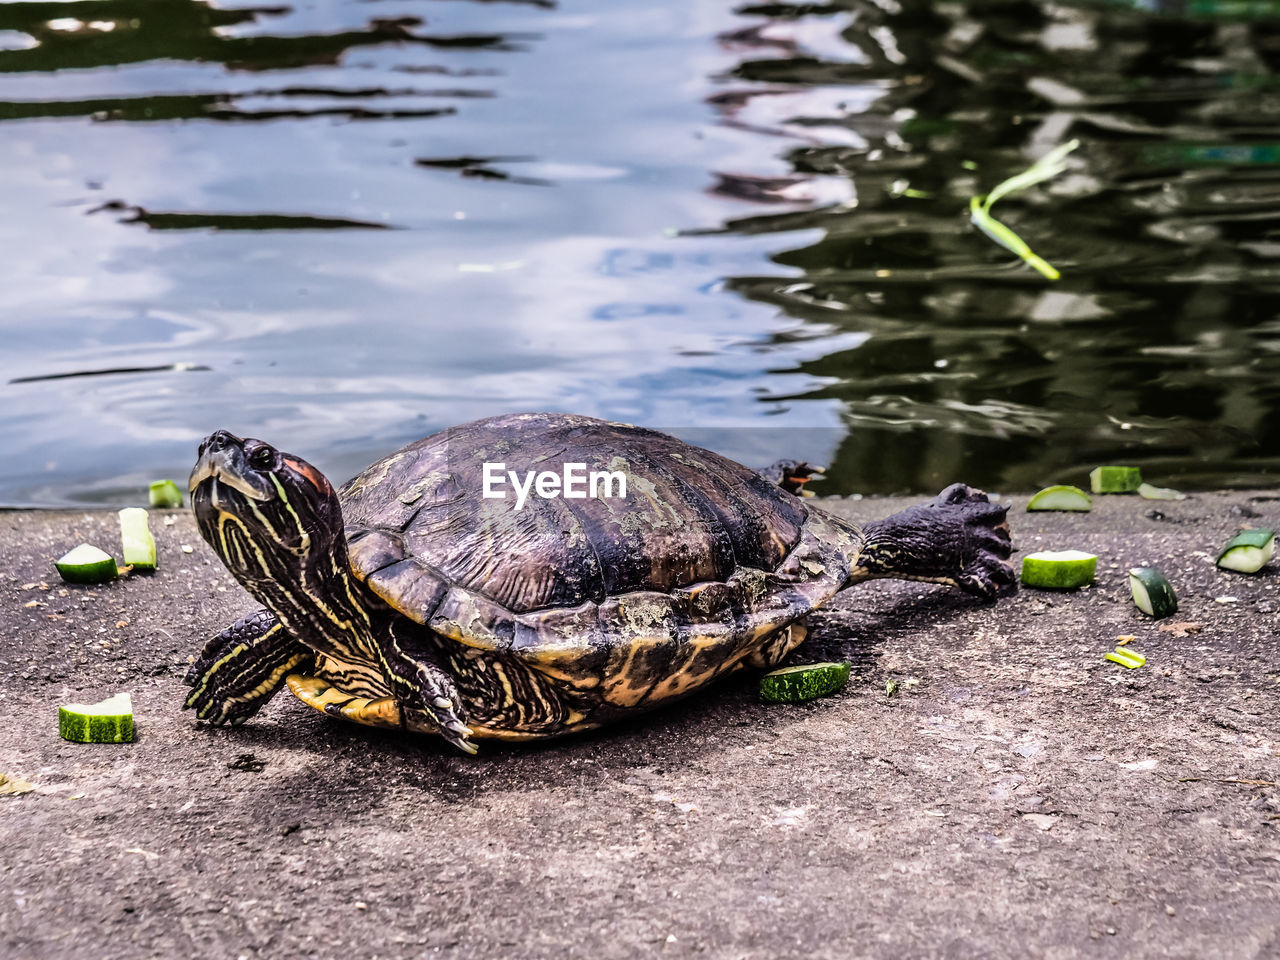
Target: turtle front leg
(241, 668)
(959, 538)
(792, 475)
(428, 697)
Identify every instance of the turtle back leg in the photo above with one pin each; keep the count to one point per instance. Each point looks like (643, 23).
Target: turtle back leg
(792, 475)
(242, 667)
(959, 538)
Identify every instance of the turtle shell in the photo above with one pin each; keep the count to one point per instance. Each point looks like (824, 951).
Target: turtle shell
(638, 598)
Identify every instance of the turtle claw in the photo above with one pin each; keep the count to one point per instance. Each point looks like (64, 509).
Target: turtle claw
(456, 733)
(446, 723)
(218, 712)
(240, 669)
(204, 701)
(958, 538)
(986, 545)
(433, 704)
(451, 727)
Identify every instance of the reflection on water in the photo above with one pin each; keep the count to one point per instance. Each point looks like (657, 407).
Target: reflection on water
(1158, 345)
(371, 220)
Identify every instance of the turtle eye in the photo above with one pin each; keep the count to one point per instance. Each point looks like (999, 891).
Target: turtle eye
(261, 457)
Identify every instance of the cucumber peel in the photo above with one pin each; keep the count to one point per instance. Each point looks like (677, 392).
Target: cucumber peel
(1152, 592)
(1148, 492)
(1115, 479)
(797, 684)
(1061, 497)
(110, 721)
(1249, 551)
(139, 544)
(165, 493)
(1059, 569)
(1127, 658)
(87, 564)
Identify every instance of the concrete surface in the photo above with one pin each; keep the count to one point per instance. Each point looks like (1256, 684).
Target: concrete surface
(1017, 797)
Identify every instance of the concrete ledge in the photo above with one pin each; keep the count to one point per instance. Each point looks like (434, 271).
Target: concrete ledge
(1017, 797)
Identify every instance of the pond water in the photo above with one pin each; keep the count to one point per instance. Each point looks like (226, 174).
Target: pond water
(342, 225)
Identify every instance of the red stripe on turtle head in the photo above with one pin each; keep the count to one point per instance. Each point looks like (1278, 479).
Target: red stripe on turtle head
(308, 473)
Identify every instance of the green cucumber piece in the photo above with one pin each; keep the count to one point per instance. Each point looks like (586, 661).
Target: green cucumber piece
(1115, 479)
(1061, 497)
(1059, 569)
(797, 684)
(165, 493)
(1126, 658)
(87, 564)
(1249, 551)
(139, 544)
(1148, 492)
(1152, 592)
(110, 721)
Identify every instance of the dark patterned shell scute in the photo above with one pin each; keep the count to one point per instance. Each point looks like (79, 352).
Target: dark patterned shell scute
(422, 536)
(635, 650)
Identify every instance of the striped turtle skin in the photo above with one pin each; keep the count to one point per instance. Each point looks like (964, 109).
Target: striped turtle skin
(443, 611)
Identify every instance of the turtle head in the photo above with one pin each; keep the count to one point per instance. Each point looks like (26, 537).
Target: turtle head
(265, 512)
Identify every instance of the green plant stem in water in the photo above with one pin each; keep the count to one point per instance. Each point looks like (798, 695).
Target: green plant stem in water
(1047, 167)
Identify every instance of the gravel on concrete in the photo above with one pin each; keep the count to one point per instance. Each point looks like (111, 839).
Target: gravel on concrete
(1016, 796)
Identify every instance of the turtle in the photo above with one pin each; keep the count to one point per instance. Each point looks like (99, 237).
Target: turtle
(415, 598)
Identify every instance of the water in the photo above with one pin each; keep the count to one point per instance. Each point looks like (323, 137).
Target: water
(341, 226)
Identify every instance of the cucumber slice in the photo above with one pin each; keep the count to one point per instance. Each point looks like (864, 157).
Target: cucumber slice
(1061, 497)
(139, 544)
(1115, 479)
(87, 564)
(1127, 658)
(110, 721)
(1152, 592)
(1249, 551)
(1059, 569)
(797, 684)
(165, 493)
(1148, 492)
